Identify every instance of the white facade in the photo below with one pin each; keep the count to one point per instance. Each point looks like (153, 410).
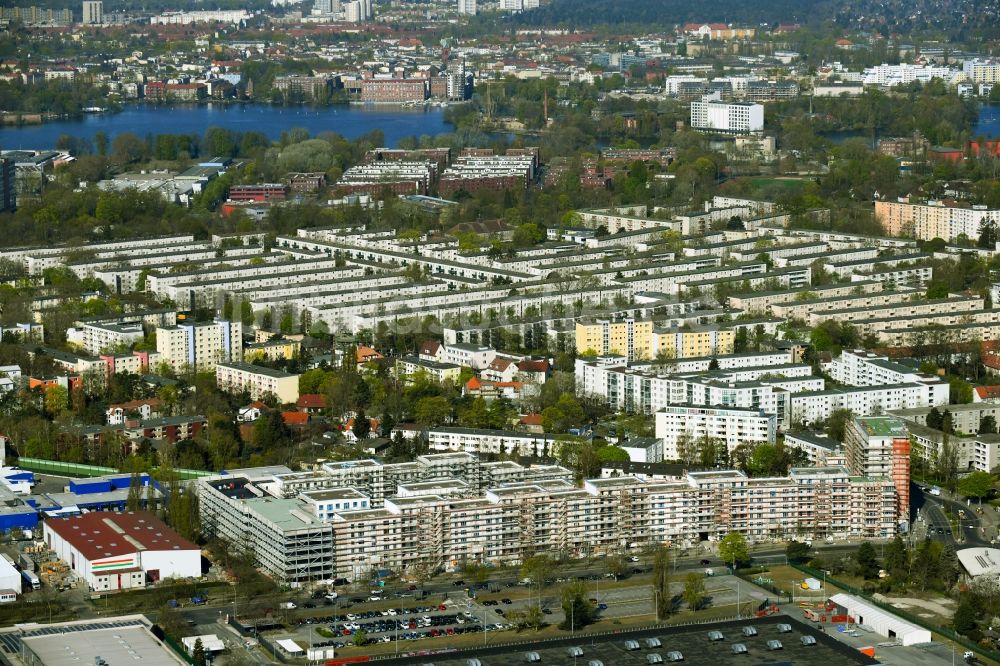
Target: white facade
(100, 338)
(198, 347)
(882, 622)
(730, 425)
(815, 407)
(257, 380)
(93, 12)
(711, 113)
(860, 368)
(889, 76)
(467, 355)
(121, 551)
(10, 578)
(467, 7)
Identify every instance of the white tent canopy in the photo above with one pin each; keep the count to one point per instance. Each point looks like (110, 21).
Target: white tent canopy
(882, 622)
(209, 642)
(289, 646)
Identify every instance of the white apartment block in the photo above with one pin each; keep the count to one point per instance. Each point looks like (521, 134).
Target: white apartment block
(762, 302)
(477, 441)
(93, 12)
(639, 388)
(711, 113)
(889, 76)
(468, 355)
(467, 7)
(862, 368)
(819, 448)
(198, 347)
(816, 407)
(257, 380)
(732, 425)
(893, 278)
(101, 338)
(323, 533)
(802, 309)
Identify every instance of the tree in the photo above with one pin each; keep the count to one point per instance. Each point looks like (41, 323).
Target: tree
(836, 424)
(661, 582)
(867, 561)
(988, 425)
(976, 485)
(198, 654)
(576, 608)
(362, 426)
(432, 411)
(964, 619)
(734, 549)
(535, 568)
(694, 590)
(360, 638)
(797, 551)
(897, 560)
(934, 418)
(134, 500)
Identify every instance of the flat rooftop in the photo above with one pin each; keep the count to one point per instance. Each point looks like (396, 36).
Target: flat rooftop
(116, 642)
(882, 426)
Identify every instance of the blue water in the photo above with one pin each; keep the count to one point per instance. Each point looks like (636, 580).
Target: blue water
(989, 122)
(349, 121)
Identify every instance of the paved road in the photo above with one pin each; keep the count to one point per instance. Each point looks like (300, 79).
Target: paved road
(935, 512)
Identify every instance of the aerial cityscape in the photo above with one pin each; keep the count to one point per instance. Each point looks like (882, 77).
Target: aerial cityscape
(491, 332)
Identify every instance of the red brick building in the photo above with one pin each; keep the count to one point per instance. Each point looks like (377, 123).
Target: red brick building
(394, 90)
(258, 193)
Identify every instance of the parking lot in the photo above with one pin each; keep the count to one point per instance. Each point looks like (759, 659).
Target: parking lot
(487, 610)
(405, 623)
(692, 644)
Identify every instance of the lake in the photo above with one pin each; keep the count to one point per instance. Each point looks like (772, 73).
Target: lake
(989, 122)
(349, 121)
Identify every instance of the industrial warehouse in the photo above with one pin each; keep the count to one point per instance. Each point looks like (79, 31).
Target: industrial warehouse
(120, 551)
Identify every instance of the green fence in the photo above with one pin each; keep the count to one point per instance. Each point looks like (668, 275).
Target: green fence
(79, 470)
(909, 617)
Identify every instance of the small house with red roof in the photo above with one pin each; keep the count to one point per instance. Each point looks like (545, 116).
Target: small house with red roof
(311, 403)
(366, 355)
(145, 408)
(500, 369)
(533, 370)
(295, 419)
(430, 351)
(986, 394)
(531, 423)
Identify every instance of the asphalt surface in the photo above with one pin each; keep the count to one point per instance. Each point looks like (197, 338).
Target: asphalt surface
(933, 521)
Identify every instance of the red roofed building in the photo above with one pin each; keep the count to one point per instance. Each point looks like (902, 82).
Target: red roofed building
(986, 393)
(365, 354)
(311, 403)
(120, 551)
(295, 419)
(430, 351)
(530, 370)
(500, 370)
(531, 423)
